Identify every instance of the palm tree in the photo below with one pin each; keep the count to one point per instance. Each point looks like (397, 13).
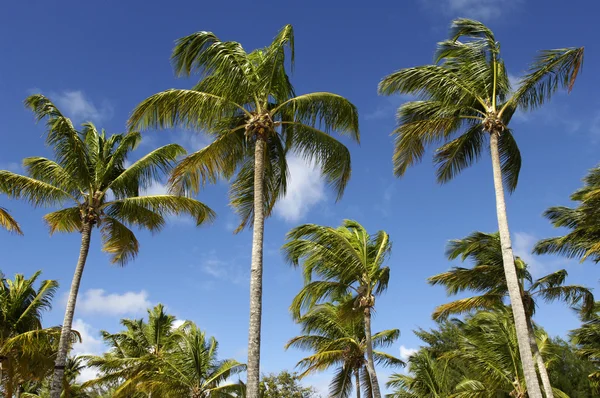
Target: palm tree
(587, 340)
(26, 348)
(192, 368)
(465, 98)
(247, 104)
(349, 261)
(8, 222)
(583, 222)
(90, 173)
(487, 278)
(134, 353)
(428, 378)
(158, 359)
(338, 340)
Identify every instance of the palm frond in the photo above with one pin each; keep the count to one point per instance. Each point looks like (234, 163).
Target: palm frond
(8, 222)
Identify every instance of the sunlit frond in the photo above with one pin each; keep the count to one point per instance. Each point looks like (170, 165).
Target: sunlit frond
(8, 222)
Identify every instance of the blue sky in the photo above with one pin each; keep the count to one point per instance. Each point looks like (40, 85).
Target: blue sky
(97, 60)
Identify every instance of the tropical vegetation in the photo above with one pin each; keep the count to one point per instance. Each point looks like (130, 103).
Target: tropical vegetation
(484, 343)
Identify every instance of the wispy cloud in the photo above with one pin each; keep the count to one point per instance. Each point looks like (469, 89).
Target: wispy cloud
(406, 353)
(77, 106)
(478, 9)
(224, 269)
(387, 106)
(89, 345)
(523, 244)
(11, 166)
(98, 301)
(305, 189)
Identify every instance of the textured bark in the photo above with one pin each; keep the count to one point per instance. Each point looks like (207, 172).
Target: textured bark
(370, 362)
(65, 334)
(357, 376)
(256, 272)
(512, 282)
(539, 360)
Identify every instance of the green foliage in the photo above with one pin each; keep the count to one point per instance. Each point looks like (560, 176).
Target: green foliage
(284, 385)
(26, 347)
(467, 94)
(241, 98)
(347, 260)
(587, 340)
(92, 178)
(478, 357)
(582, 222)
(154, 357)
(487, 278)
(337, 340)
(569, 372)
(8, 222)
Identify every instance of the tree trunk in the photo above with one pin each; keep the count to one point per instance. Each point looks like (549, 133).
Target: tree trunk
(256, 272)
(370, 362)
(539, 360)
(65, 334)
(510, 272)
(357, 376)
(18, 391)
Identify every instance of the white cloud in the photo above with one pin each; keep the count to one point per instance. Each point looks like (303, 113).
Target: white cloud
(75, 105)
(178, 322)
(97, 301)
(305, 189)
(156, 188)
(90, 345)
(387, 107)
(11, 166)
(226, 270)
(478, 9)
(522, 246)
(192, 141)
(405, 353)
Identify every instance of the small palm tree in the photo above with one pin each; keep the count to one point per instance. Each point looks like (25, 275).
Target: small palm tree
(8, 222)
(338, 340)
(192, 368)
(466, 99)
(489, 346)
(134, 353)
(89, 168)
(247, 104)
(487, 278)
(587, 340)
(349, 261)
(428, 378)
(583, 222)
(26, 348)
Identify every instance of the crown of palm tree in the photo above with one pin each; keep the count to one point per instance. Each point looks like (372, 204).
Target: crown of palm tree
(427, 379)
(583, 221)
(154, 357)
(26, 348)
(347, 260)
(487, 277)
(338, 340)
(587, 340)
(467, 93)
(240, 98)
(91, 175)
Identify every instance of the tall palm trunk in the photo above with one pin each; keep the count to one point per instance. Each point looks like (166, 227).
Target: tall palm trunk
(65, 334)
(370, 362)
(256, 272)
(539, 360)
(510, 272)
(357, 378)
